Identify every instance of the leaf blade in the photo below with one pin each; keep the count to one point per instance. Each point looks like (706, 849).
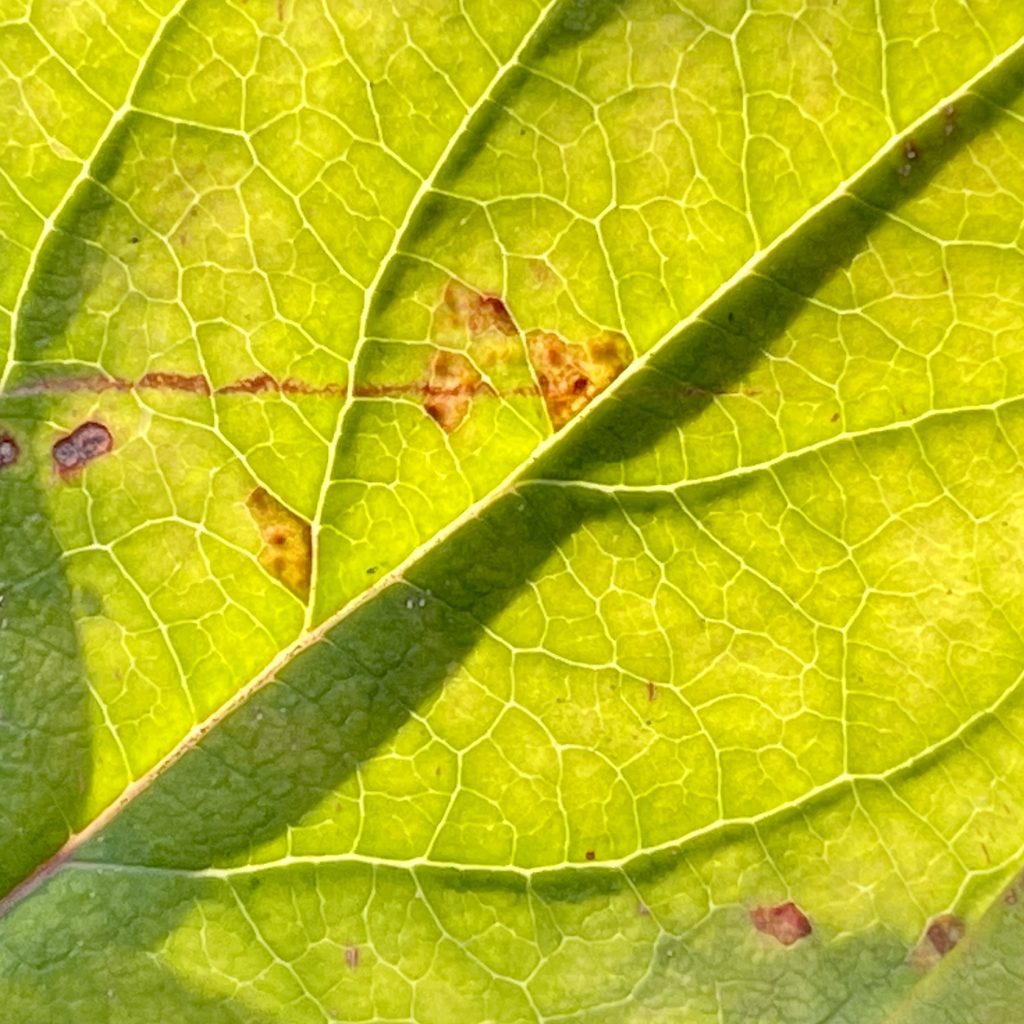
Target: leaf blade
(348, 755)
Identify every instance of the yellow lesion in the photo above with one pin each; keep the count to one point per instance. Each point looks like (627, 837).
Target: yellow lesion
(570, 375)
(287, 545)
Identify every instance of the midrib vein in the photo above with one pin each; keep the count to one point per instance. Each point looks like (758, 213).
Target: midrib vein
(288, 654)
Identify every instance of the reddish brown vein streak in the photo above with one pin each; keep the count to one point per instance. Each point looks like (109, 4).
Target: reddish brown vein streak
(264, 383)
(189, 383)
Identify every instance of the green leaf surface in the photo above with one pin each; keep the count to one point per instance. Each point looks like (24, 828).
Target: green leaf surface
(511, 511)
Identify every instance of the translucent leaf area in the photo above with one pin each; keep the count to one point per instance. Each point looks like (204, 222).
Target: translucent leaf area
(511, 511)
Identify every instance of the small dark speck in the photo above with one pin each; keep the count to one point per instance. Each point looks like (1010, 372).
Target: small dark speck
(371, 570)
(522, 131)
(732, 316)
(835, 417)
(9, 451)
(590, 855)
(134, 240)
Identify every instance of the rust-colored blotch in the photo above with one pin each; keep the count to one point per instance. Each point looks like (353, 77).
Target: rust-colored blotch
(941, 935)
(287, 552)
(452, 382)
(474, 313)
(82, 445)
(786, 923)
(944, 932)
(571, 375)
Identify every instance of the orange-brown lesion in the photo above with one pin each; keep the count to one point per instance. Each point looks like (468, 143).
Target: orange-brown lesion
(452, 383)
(479, 324)
(570, 375)
(287, 551)
(466, 312)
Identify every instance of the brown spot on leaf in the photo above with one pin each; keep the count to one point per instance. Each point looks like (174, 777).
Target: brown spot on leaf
(571, 375)
(9, 451)
(352, 957)
(652, 691)
(786, 923)
(940, 936)
(945, 932)
(82, 445)
(464, 310)
(479, 325)
(287, 547)
(451, 385)
(590, 855)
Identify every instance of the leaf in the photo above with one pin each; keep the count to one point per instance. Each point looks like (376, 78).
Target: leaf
(511, 511)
